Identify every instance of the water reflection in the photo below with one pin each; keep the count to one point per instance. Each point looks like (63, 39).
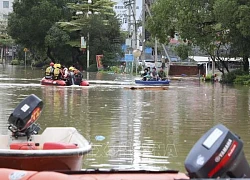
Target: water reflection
(143, 129)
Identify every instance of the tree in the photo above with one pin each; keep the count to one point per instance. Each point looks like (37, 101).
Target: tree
(30, 22)
(211, 25)
(5, 39)
(182, 51)
(101, 25)
(234, 18)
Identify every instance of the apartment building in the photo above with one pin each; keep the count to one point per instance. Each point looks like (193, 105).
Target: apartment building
(5, 9)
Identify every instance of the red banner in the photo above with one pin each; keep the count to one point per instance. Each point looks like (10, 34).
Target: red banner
(99, 62)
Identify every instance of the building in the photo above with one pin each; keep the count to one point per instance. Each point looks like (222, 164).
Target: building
(5, 9)
(122, 11)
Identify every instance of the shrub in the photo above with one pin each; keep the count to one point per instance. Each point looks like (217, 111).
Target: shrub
(92, 68)
(243, 80)
(21, 62)
(208, 77)
(231, 76)
(115, 69)
(40, 64)
(139, 68)
(14, 62)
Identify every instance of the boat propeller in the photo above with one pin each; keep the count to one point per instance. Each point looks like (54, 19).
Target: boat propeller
(22, 119)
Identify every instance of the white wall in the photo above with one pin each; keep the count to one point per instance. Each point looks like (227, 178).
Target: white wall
(5, 11)
(122, 12)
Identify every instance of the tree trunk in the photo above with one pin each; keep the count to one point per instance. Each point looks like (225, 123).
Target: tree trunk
(49, 54)
(245, 64)
(2, 54)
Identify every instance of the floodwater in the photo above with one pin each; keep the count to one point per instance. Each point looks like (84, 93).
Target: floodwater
(131, 129)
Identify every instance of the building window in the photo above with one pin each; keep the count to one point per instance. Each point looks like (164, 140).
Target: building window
(6, 4)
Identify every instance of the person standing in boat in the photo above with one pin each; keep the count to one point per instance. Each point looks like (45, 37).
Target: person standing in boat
(162, 74)
(49, 72)
(71, 76)
(78, 76)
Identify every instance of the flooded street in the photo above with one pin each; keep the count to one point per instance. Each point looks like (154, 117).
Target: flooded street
(132, 129)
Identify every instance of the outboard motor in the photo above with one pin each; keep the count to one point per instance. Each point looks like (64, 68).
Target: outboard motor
(218, 153)
(22, 120)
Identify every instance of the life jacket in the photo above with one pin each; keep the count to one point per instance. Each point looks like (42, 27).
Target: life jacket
(56, 73)
(49, 71)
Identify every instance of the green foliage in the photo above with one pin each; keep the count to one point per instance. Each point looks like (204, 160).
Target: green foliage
(14, 62)
(5, 39)
(182, 51)
(115, 69)
(103, 30)
(229, 78)
(243, 80)
(92, 68)
(21, 62)
(51, 30)
(139, 68)
(30, 21)
(109, 59)
(208, 77)
(211, 25)
(56, 37)
(40, 63)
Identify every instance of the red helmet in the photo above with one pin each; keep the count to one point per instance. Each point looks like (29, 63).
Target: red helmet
(51, 64)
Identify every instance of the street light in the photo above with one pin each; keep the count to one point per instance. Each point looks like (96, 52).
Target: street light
(136, 54)
(89, 13)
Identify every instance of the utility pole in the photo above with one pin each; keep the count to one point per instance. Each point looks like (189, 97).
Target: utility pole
(135, 35)
(143, 39)
(132, 29)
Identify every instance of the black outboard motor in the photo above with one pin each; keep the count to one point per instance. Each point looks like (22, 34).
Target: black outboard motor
(22, 120)
(218, 153)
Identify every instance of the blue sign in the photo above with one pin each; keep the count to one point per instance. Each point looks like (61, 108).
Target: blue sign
(124, 47)
(129, 57)
(148, 50)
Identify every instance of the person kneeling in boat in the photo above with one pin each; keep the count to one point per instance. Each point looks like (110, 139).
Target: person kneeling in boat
(153, 75)
(57, 72)
(49, 71)
(78, 76)
(145, 75)
(162, 74)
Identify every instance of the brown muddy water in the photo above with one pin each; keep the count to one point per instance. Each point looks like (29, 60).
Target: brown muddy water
(131, 129)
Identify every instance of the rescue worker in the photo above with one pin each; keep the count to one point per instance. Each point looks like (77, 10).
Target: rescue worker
(49, 72)
(57, 72)
(78, 76)
(71, 77)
